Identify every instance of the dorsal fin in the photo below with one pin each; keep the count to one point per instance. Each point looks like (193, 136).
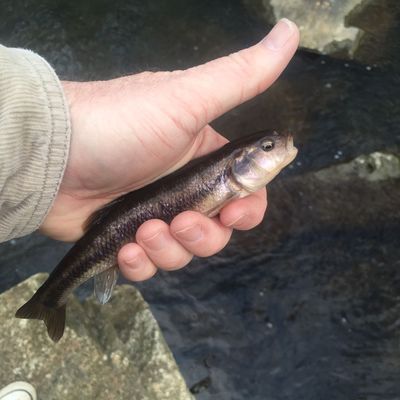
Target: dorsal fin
(96, 217)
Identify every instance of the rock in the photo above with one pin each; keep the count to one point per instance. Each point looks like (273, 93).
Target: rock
(379, 22)
(376, 166)
(345, 29)
(321, 22)
(115, 351)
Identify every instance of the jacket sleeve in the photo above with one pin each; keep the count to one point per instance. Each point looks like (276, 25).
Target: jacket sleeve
(34, 140)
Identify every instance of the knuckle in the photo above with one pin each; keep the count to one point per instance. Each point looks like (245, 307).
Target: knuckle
(176, 261)
(211, 247)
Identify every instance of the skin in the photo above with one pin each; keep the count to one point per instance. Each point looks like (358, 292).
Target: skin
(128, 132)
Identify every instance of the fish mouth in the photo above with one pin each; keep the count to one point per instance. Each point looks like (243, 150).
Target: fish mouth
(289, 143)
(291, 151)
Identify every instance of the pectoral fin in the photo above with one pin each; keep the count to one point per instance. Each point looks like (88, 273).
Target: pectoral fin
(104, 284)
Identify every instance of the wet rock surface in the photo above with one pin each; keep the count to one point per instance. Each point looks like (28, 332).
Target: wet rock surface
(111, 352)
(307, 305)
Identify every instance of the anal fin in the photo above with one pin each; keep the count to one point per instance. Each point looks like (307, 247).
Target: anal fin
(104, 284)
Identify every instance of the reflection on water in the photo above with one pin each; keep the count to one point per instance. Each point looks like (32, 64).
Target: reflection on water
(306, 306)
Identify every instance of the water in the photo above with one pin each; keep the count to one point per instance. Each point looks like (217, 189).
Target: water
(308, 304)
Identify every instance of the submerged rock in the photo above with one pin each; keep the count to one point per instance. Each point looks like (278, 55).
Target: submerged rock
(356, 195)
(376, 166)
(379, 22)
(115, 351)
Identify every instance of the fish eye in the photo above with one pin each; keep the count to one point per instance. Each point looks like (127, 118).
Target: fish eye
(267, 145)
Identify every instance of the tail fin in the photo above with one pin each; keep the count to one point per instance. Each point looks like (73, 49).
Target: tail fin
(54, 318)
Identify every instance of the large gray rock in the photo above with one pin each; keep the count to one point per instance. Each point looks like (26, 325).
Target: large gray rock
(322, 23)
(115, 351)
(356, 29)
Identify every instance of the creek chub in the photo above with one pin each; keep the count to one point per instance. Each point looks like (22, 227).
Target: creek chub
(205, 185)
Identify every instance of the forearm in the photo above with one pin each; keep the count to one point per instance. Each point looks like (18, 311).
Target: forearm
(34, 140)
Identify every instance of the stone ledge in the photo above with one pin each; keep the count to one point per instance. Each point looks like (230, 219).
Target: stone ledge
(115, 351)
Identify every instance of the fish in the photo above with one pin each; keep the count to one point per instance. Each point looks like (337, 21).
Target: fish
(205, 184)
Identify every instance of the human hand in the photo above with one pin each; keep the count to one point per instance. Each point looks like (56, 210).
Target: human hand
(130, 131)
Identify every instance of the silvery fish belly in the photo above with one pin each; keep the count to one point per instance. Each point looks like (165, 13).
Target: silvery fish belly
(204, 185)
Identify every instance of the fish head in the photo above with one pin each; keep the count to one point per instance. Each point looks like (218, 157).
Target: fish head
(259, 160)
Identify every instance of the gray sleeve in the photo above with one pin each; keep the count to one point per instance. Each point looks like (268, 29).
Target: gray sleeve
(34, 140)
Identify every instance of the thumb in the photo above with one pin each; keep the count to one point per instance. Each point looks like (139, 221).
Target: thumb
(213, 88)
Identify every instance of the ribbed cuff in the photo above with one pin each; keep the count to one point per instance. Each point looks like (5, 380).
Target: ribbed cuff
(34, 140)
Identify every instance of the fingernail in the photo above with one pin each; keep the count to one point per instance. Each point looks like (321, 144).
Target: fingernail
(191, 234)
(279, 34)
(237, 221)
(155, 242)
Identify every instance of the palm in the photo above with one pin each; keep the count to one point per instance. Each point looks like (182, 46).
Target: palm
(121, 146)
